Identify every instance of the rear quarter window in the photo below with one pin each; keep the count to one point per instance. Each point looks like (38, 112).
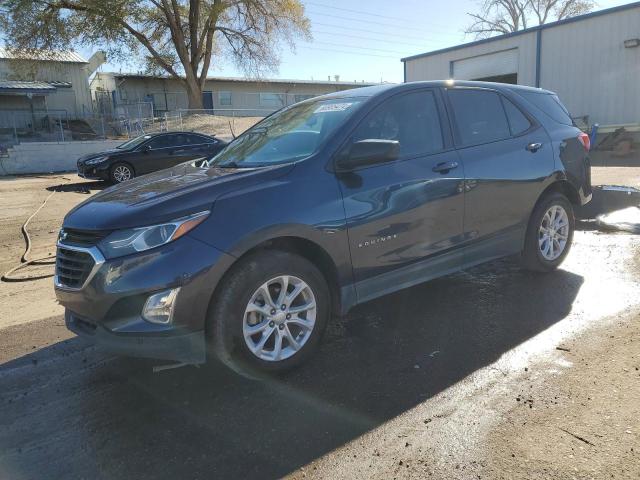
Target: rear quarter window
(550, 105)
(517, 121)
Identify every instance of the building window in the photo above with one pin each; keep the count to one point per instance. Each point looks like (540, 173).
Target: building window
(224, 98)
(302, 97)
(272, 100)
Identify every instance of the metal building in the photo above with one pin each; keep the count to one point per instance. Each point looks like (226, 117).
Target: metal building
(54, 81)
(591, 61)
(243, 96)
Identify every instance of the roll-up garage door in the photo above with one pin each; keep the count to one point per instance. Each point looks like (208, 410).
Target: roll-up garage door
(489, 65)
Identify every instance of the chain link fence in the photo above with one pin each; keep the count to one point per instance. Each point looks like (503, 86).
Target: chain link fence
(124, 122)
(228, 114)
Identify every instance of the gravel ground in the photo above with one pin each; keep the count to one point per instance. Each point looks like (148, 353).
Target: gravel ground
(629, 176)
(419, 384)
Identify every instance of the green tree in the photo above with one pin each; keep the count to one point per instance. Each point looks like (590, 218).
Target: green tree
(179, 37)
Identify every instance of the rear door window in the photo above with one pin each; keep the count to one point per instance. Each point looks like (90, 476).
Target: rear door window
(411, 119)
(163, 141)
(199, 139)
(517, 121)
(550, 104)
(479, 116)
(180, 140)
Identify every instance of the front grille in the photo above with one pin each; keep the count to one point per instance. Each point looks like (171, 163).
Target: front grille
(73, 267)
(82, 238)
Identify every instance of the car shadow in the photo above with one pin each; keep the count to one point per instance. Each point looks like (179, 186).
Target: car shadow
(79, 187)
(113, 418)
(116, 419)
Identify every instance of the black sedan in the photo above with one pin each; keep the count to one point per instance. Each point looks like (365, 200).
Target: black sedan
(146, 154)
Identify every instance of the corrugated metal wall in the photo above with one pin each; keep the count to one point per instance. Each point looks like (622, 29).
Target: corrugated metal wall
(584, 62)
(436, 67)
(587, 65)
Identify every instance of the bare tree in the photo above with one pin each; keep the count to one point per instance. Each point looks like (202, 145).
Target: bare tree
(559, 9)
(498, 17)
(179, 37)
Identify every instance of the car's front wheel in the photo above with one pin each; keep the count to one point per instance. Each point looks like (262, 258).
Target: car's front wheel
(121, 172)
(549, 233)
(269, 314)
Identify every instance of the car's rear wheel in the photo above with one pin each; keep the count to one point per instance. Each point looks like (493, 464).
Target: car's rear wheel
(549, 233)
(269, 313)
(121, 172)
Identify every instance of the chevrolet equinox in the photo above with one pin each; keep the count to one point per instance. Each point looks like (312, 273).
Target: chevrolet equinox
(323, 205)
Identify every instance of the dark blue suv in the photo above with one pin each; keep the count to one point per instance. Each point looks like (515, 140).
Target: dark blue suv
(323, 205)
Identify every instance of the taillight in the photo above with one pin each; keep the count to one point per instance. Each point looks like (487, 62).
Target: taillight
(585, 141)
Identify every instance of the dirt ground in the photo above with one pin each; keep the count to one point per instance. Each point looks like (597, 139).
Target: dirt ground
(529, 377)
(31, 301)
(585, 420)
(573, 415)
(224, 127)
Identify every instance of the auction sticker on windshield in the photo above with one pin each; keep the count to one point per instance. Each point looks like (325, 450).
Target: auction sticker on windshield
(333, 107)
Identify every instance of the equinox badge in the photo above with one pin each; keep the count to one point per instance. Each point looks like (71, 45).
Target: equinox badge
(375, 241)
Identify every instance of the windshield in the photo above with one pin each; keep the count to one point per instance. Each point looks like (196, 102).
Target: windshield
(291, 134)
(133, 143)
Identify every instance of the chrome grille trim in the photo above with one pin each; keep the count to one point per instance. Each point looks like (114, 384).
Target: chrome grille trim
(98, 260)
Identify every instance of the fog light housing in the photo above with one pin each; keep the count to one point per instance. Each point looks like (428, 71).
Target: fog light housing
(159, 307)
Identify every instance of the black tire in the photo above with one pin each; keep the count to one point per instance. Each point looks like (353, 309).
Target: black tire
(532, 256)
(227, 312)
(113, 173)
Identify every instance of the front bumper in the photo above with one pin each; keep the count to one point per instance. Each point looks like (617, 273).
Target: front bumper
(107, 310)
(188, 347)
(93, 172)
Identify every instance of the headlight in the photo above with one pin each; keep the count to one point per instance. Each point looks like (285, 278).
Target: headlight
(95, 161)
(126, 242)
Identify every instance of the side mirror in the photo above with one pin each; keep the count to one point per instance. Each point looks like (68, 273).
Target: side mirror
(146, 148)
(368, 152)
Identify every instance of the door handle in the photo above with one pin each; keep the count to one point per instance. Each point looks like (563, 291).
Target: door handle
(445, 167)
(534, 147)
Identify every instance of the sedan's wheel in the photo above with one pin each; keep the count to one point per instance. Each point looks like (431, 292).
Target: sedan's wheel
(121, 172)
(279, 318)
(549, 234)
(269, 313)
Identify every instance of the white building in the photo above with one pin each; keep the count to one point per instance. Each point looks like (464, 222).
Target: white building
(591, 61)
(113, 91)
(46, 81)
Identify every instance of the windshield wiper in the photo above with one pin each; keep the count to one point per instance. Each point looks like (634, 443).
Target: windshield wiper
(227, 165)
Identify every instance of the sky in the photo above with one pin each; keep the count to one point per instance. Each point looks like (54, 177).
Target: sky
(360, 40)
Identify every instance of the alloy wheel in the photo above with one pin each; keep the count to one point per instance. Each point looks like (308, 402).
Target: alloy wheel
(279, 318)
(553, 233)
(121, 173)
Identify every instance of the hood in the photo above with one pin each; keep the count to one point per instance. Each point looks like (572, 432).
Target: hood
(113, 151)
(164, 195)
